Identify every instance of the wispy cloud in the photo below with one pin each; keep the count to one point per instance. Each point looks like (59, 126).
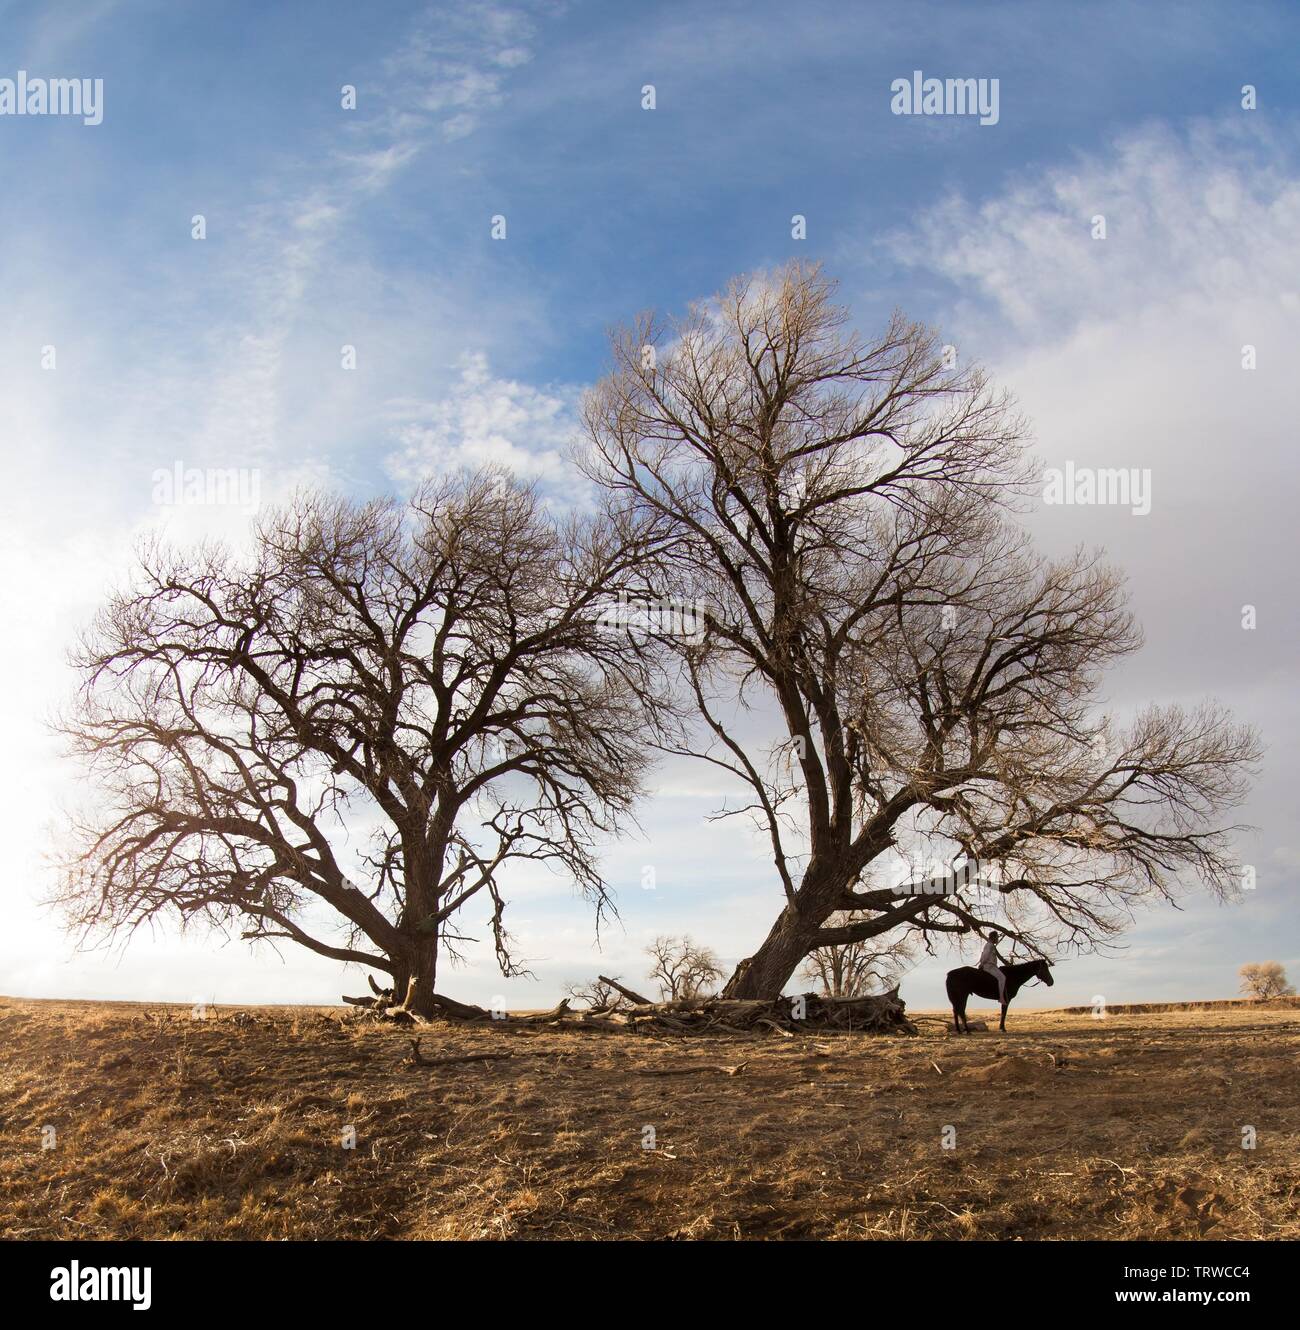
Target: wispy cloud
(485, 421)
(451, 68)
(1203, 217)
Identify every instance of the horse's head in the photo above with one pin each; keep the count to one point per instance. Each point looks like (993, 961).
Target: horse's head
(1044, 972)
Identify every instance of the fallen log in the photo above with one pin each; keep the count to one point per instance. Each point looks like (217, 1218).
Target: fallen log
(772, 1025)
(808, 1013)
(416, 1058)
(785, 1016)
(382, 1006)
(542, 1017)
(635, 998)
(588, 1021)
(399, 1015)
(695, 1070)
(464, 1010)
(382, 1000)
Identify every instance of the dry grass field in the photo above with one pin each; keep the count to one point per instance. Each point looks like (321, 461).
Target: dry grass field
(233, 1127)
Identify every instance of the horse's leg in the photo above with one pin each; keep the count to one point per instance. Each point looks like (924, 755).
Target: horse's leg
(1002, 1024)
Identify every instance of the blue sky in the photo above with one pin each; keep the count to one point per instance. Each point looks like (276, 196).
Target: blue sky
(371, 228)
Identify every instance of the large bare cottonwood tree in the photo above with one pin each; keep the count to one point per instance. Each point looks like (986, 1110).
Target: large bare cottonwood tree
(430, 675)
(842, 510)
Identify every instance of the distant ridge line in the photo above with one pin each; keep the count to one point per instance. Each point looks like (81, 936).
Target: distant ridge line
(1136, 1008)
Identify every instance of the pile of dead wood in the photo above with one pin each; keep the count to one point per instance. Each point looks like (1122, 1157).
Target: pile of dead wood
(385, 1005)
(880, 1013)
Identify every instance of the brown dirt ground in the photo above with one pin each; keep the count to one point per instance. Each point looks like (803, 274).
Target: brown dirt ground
(233, 1127)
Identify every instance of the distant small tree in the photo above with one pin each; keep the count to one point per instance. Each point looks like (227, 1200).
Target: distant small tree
(1265, 979)
(682, 968)
(854, 969)
(598, 994)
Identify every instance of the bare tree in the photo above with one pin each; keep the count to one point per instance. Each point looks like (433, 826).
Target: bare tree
(432, 674)
(842, 510)
(682, 968)
(1265, 979)
(597, 994)
(854, 969)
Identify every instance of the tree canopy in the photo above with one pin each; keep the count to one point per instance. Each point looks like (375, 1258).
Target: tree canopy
(432, 675)
(842, 508)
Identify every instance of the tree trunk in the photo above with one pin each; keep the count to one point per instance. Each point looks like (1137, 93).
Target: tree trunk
(837, 971)
(420, 973)
(764, 974)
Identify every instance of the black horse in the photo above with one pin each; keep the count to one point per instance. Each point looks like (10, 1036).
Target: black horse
(962, 983)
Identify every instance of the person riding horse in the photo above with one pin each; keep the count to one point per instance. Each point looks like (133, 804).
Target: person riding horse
(991, 962)
(992, 979)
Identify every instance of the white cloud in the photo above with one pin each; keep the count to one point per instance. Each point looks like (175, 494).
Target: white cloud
(1195, 221)
(1127, 352)
(485, 421)
(452, 67)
